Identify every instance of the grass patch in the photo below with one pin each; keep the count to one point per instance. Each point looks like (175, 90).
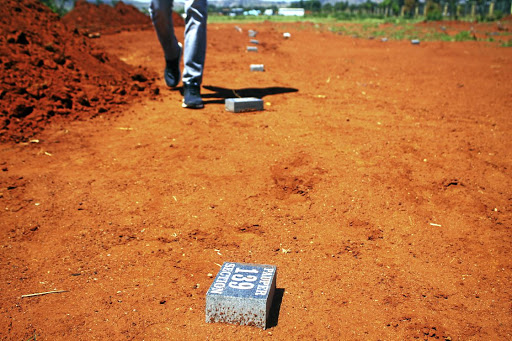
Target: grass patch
(240, 19)
(368, 27)
(324, 19)
(464, 36)
(403, 31)
(507, 43)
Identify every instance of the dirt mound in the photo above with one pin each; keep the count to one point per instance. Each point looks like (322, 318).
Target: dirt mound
(103, 18)
(47, 72)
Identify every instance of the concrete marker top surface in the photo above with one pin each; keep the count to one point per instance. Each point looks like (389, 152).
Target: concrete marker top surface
(243, 280)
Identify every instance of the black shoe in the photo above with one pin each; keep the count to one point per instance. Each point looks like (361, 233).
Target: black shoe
(192, 96)
(172, 70)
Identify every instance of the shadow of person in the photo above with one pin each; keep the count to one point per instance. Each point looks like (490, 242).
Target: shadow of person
(275, 308)
(223, 93)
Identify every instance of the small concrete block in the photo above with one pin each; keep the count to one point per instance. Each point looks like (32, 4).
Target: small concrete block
(257, 67)
(252, 49)
(384, 40)
(254, 41)
(252, 33)
(241, 294)
(287, 35)
(237, 105)
(415, 41)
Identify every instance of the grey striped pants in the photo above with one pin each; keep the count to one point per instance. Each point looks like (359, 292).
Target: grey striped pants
(195, 35)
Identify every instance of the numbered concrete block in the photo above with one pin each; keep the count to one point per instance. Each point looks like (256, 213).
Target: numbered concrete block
(252, 33)
(237, 105)
(241, 294)
(257, 67)
(252, 49)
(415, 41)
(254, 41)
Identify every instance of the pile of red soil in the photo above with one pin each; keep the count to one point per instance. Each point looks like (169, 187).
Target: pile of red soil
(103, 18)
(47, 72)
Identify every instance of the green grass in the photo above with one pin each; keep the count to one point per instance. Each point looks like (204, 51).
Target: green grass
(365, 27)
(404, 30)
(464, 36)
(212, 18)
(507, 43)
(321, 19)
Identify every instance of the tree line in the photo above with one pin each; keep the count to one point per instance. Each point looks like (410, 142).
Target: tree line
(430, 9)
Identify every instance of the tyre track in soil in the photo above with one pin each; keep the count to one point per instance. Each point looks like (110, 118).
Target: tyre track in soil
(338, 184)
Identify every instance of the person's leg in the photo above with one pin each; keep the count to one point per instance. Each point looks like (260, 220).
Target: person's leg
(161, 15)
(195, 41)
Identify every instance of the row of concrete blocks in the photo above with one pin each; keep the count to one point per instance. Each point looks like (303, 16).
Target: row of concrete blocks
(239, 105)
(254, 67)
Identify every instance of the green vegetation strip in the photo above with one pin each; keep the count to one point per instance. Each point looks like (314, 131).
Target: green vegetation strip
(366, 28)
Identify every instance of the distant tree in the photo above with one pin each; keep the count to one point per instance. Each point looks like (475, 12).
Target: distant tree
(410, 5)
(212, 8)
(368, 6)
(314, 6)
(433, 9)
(328, 8)
(391, 6)
(340, 6)
(452, 6)
(480, 8)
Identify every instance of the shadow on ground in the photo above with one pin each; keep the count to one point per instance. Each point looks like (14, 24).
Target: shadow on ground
(223, 93)
(275, 308)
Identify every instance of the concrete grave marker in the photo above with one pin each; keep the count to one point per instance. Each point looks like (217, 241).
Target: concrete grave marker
(252, 49)
(237, 105)
(257, 67)
(241, 294)
(254, 41)
(252, 33)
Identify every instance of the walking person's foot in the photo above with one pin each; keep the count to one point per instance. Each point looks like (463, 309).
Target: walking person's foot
(172, 70)
(192, 96)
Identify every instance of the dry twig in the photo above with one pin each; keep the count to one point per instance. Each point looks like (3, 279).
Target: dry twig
(44, 293)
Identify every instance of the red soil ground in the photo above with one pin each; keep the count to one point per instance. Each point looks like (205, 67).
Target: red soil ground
(377, 180)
